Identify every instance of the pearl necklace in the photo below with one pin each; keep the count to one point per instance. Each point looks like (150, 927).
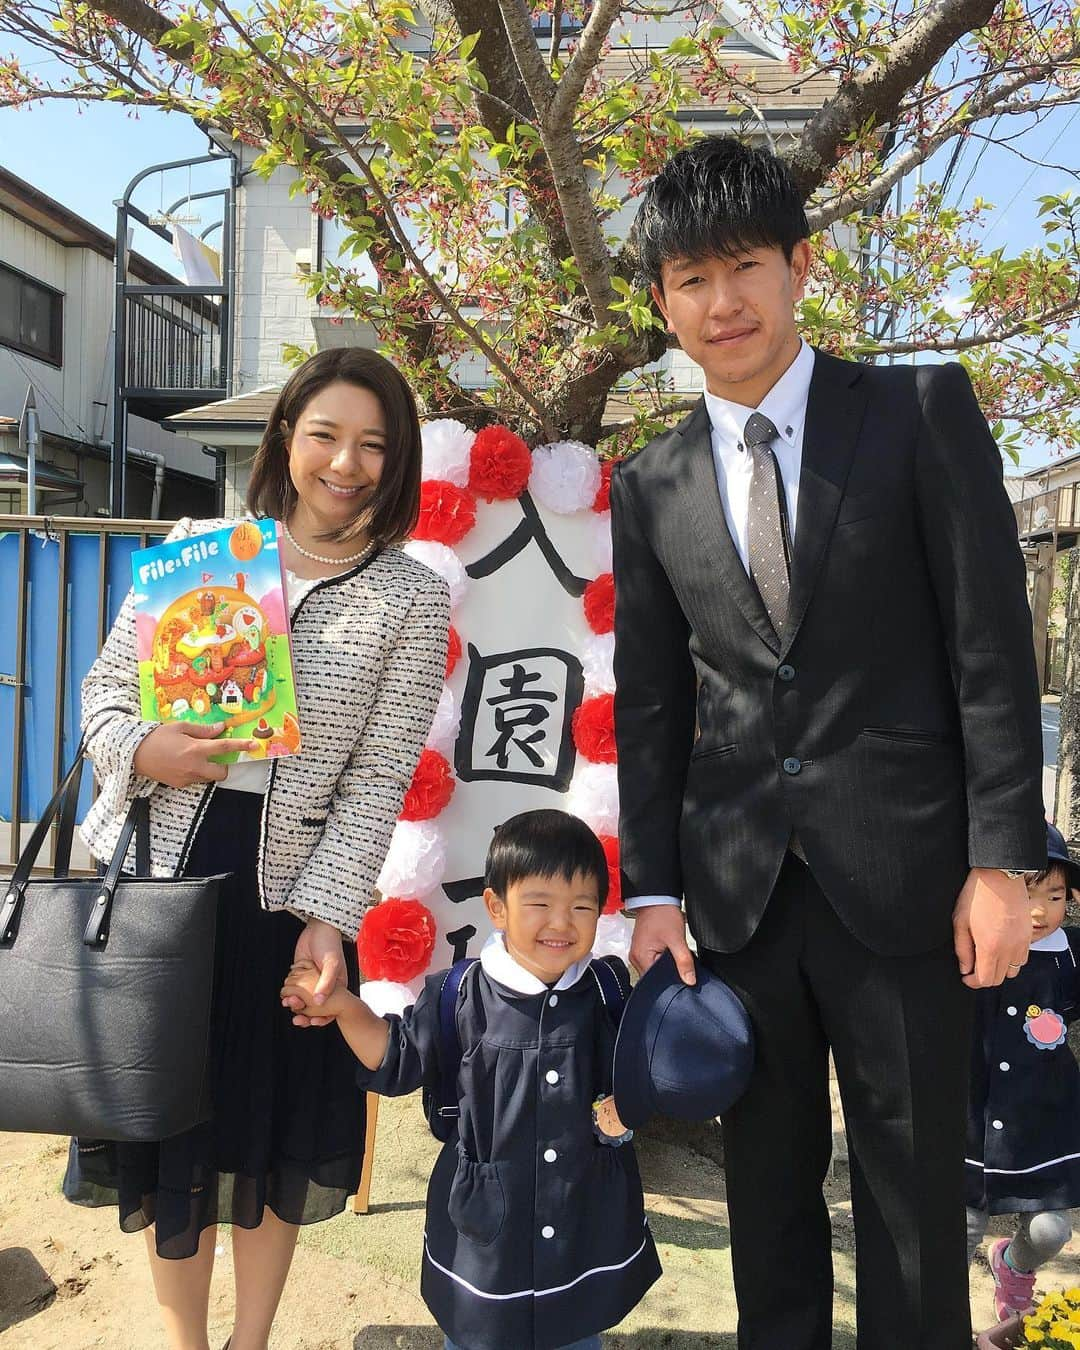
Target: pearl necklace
(321, 557)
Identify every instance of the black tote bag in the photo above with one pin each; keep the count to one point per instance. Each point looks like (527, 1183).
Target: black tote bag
(105, 990)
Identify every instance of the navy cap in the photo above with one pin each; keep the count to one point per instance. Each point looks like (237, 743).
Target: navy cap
(683, 1050)
(1058, 851)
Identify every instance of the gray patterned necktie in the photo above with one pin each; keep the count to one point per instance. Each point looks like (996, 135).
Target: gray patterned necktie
(766, 535)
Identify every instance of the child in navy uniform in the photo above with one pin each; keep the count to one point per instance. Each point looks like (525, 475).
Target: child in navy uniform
(1024, 1113)
(536, 1236)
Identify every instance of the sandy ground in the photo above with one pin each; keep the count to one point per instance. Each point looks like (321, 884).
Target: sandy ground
(70, 1279)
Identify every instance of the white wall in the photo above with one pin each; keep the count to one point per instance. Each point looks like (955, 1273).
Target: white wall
(272, 307)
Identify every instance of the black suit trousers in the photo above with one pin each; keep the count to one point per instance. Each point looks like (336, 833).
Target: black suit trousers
(899, 1030)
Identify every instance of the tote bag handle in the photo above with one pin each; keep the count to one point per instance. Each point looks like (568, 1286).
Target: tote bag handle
(65, 801)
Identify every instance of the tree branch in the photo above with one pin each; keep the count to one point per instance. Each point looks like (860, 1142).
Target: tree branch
(874, 96)
(506, 101)
(666, 410)
(349, 152)
(994, 103)
(995, 333)
(583, 228)
(583, 63)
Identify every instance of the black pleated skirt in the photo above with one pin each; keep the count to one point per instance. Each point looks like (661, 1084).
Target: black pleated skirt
(288, 1121)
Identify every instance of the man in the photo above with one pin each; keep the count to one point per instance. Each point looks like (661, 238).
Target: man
(829, 745)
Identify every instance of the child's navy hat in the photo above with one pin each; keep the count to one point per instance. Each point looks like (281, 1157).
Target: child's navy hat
(684, 1050)
(1058, 851)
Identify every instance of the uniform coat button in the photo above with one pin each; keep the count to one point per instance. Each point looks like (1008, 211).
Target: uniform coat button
(998, 1124)
(1004, 1067)
(786, 673)
(553, 1001)
(547, 1231)
(1011, 1011)
(550, 1155)
(551, 1076)
(792, 765)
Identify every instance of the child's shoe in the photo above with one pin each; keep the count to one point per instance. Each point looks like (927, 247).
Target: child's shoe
(1013, 1289)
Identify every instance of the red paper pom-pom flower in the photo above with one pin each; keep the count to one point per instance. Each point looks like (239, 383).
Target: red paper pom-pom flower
(396, 940)
(594, 729)
(447, 512)
(499, 464)
(610, 846)
(432, 787)
(602, 501)
(599, 601)
(453, 651)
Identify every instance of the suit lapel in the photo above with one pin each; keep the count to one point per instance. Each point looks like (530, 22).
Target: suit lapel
(834, 414)
(701, 495)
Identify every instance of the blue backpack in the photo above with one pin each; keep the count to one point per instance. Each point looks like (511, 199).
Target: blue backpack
(441, 1108)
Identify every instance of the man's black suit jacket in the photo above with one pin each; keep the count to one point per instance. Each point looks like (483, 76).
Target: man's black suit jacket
(894, 726)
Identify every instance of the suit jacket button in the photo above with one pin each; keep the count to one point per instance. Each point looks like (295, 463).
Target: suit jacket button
(786, 673)
(792, 765)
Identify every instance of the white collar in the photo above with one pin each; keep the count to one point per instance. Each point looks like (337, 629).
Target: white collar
(784, 405)
(1056, 942)
(500, 966)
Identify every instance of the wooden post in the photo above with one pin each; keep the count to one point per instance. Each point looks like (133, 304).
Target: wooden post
(1042, 587)
(363, 1194)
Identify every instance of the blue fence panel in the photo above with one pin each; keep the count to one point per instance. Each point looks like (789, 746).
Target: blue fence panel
(87, 611)
(9, 588)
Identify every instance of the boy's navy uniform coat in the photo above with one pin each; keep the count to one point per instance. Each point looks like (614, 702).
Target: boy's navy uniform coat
(536, 1234)
(1024, 1121)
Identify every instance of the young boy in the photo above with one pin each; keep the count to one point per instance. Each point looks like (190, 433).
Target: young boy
(536, 1235)
(1024, 1120)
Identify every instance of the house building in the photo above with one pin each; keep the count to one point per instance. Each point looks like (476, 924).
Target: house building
(1046, 501)
(56, 335)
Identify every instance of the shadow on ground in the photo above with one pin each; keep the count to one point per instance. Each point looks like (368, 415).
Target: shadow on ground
(648, 1338)
(25, 1286)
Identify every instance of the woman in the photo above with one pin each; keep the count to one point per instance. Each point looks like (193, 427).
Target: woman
(303, 837)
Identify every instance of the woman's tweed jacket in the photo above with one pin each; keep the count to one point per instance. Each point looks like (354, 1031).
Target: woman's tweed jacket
(369, 651)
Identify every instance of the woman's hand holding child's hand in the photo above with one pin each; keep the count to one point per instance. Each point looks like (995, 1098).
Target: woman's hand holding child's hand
(365, 1034)
(298, 994)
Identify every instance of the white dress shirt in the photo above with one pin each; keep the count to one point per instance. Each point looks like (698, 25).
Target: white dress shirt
(785, 406)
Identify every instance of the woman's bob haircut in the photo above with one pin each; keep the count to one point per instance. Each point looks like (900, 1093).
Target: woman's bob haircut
(389, 515)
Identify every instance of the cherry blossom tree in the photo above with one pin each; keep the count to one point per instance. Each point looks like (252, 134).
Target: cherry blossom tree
(484, 166)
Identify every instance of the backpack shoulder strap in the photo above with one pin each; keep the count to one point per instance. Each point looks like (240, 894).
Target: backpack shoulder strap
(614, 984)
(447, 1107)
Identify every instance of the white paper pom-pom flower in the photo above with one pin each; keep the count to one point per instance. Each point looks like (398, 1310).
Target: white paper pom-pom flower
(597, 657)
(613, 934)
(565, 476)
(416, 860)
(600, 541)
(594, 796)
(443, 560)
(446, 447)
(386, 996)
(444, 727)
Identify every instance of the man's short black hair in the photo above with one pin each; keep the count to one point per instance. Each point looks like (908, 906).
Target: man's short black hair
(545, 844)
(716, 198)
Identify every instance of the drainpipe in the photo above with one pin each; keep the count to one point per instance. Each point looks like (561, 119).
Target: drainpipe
(28, 445)
(158, 461)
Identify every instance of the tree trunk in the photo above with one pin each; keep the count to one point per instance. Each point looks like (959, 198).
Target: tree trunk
(1067, 793)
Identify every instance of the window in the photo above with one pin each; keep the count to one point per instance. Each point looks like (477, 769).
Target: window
(31, 317)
